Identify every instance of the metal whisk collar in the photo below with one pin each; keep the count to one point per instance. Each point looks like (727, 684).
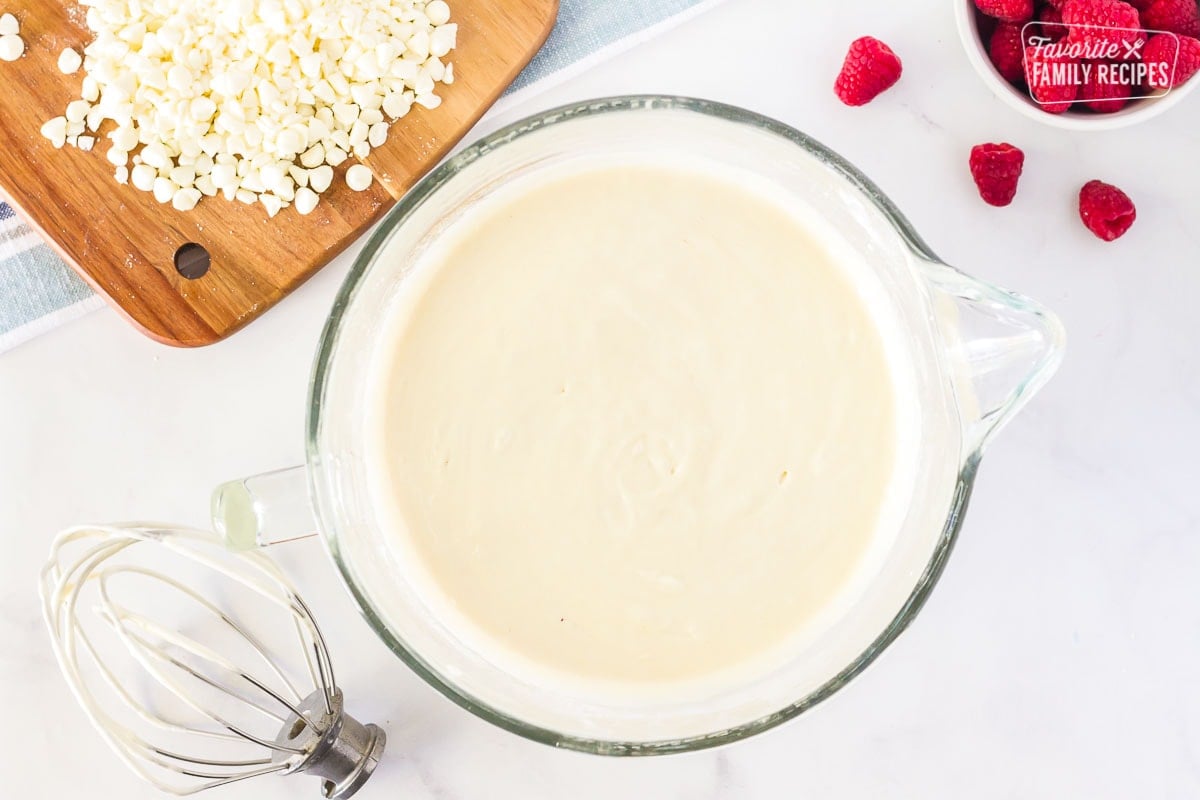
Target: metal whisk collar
(181, 713)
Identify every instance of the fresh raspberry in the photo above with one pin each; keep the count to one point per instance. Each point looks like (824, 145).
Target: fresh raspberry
(996, 168)
(1007, 10)
(1053, 92)
(870, 68)
(1103, 23)
(1105, 210)
(1175, 16)
(1167, 66)
(1007, 53)
(1051, 27)
(1103, 91)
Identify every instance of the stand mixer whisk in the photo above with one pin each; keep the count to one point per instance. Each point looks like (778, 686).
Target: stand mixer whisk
(189, 695)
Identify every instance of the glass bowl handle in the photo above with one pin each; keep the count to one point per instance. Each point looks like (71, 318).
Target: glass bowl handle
(263, 510)
(1003, 347)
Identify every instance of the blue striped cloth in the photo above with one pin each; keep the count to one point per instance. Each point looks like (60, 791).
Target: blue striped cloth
(39, 292)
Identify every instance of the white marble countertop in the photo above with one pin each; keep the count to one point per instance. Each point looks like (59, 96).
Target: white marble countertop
(1057, 658)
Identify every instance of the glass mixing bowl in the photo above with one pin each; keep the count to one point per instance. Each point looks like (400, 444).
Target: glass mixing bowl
(979, 352)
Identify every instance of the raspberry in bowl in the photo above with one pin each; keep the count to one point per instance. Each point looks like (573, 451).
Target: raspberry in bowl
(1084, 64)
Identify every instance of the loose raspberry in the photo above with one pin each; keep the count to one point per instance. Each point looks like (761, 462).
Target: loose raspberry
(1170, 60)
(1175, 16)
(1007, 52)
(1105, 210)
(1050, 80)
(996, 169)
(1007, 10)
(870, 68)
(1103, 23)
(1103, 90)
(1051, 27)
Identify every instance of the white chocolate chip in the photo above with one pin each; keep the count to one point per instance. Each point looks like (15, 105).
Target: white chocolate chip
(272, 203)
(443, 40)
(299, 175)
(69, 61)
(11, 47)
(164, 190)
(56, 131)
(321, 178)
(9, 25)
(183, 176)
(224, 175)
(142, 177)
(313, 156)
(397, 105)
(77, 110)
(430, 101)
(378, 134)
(359, 178)
(335, 156)
(185, 199)
(306, 200)
(90, 90)
(438, 12)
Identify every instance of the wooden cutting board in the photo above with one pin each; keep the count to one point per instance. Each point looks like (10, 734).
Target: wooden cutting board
(125, 243)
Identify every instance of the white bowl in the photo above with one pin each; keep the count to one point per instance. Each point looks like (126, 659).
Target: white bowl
(1137, 111)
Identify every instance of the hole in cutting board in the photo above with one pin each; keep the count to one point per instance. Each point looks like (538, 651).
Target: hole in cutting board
(192, 261)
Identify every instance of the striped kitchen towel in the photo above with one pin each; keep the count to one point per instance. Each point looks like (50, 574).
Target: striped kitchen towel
(38, 292)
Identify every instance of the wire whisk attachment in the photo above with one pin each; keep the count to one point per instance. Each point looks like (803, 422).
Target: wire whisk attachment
(198, 666)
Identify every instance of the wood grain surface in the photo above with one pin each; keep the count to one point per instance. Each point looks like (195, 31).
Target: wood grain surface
(124, 242)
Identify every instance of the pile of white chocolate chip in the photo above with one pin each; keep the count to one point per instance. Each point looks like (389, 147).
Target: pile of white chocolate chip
(257, 100)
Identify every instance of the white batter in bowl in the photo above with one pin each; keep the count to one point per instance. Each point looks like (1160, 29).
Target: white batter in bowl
(645, 424)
